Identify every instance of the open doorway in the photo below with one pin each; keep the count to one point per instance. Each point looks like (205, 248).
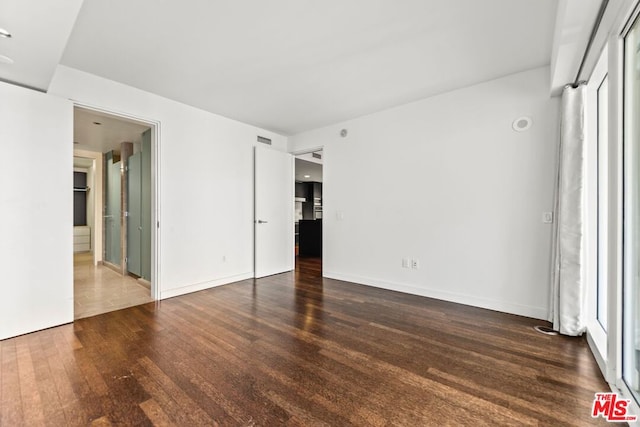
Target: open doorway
(308, 209)
(113, 176)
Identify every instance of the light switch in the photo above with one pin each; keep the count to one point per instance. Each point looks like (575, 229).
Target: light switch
(339, 215)
(547, 217)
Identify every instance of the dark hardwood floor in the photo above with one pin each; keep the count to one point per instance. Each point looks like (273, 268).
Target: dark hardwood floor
(296, 349)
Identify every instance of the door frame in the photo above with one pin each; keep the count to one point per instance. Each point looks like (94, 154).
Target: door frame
(324, 211)
(596, 187)
(155, 126)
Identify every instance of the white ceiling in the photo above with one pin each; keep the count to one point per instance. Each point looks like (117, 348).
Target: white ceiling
(39, 30)
(571, 39)
(311, 169)
(294, 65)
(82, 163)
(106, 136)
(309, 157)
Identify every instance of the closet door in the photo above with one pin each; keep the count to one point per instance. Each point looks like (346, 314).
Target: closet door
(36, 219)
(274, 226)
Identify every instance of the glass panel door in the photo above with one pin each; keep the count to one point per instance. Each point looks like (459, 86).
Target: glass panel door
(631, 212)
(134, 217)
(113, 206)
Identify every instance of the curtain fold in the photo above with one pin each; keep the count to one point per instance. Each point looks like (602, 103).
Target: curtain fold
(568, 288)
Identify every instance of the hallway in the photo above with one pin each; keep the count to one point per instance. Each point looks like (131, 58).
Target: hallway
(97, 289)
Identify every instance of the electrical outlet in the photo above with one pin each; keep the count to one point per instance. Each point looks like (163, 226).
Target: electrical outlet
(547, 217)
(415, 264)
(406, 262)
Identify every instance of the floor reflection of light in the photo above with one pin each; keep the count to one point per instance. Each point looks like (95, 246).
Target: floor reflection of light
(309, 317)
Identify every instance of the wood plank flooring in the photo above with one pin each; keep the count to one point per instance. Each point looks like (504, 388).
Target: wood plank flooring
(296, 349)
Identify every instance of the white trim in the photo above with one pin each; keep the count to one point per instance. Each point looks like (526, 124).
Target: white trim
(306, 151)
(121, 114)
(195, 287)
(602, 363)
(608, 25)
(596, 262)
(616, 121)
(156, 178)
(490, 304)
(626, 17)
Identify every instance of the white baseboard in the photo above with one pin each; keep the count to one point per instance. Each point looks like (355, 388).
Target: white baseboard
(187, 289)
(495, 305)
(58, 313)
(596, 355)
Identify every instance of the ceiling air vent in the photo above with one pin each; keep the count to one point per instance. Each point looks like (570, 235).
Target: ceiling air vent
(317, 155)
(264, 140)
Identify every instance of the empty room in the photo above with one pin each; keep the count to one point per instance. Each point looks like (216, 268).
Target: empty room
(409, 212)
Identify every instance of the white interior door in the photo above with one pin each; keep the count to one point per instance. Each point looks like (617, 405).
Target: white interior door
(273, 221)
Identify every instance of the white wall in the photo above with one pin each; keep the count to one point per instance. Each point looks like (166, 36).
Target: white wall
(206, 181)
(447, 181)
(36, 211)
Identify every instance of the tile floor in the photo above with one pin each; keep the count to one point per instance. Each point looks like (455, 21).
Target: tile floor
(98, 289)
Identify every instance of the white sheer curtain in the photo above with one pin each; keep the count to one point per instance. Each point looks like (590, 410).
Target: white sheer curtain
(568, 287)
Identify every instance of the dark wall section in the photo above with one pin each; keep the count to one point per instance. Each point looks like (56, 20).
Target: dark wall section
(79, 198)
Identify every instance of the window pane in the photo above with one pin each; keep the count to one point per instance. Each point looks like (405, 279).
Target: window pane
(631, 212)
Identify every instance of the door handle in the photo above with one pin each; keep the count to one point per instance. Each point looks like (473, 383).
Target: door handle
(261, 221)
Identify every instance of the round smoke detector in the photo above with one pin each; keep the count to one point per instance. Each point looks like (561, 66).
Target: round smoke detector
(522, 123)
(343, 133)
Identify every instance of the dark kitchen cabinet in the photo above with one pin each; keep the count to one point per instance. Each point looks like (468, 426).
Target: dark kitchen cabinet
(312, 193)
(310, 238)
(317, 190)
(302, 190)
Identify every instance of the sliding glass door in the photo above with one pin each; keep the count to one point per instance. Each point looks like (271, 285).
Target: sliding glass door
(631, 213)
